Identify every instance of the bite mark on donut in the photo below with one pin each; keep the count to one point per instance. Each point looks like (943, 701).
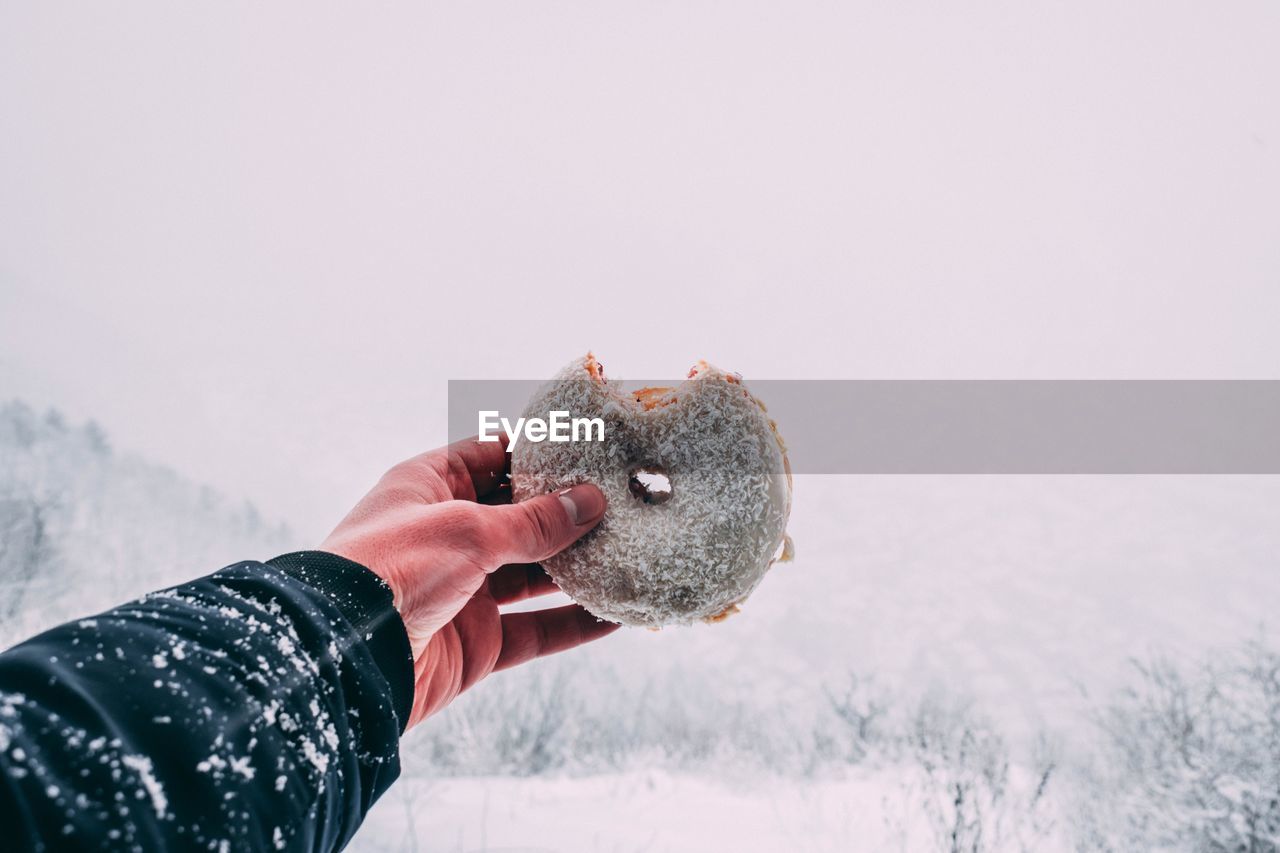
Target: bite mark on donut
(654, 398)
(731, 610)
(594, 368)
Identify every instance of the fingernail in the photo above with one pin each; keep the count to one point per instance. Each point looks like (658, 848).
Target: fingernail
(584, 503)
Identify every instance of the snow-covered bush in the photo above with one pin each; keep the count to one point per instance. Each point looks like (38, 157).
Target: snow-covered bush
(961, 781)
(857, 720)
(1191, 759)
(569, 716)
(518, 732)
(25, 549)
(32, 508)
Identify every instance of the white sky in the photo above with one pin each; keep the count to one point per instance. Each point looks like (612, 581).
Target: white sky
(255, 241)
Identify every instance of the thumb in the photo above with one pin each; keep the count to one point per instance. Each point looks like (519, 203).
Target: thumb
(535, 529)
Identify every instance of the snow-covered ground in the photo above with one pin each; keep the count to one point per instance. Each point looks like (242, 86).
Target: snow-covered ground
(654, 812)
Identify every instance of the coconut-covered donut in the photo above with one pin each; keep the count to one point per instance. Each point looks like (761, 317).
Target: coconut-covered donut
(698, 486)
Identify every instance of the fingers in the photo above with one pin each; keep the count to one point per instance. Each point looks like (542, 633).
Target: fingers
(480, 464)
(526, 636)
(441, 554)
(513, 583)
(533, 530)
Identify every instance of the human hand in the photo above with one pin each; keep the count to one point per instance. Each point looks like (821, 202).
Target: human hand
(440, 530)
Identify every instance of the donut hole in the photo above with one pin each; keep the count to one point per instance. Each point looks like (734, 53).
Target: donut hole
(650, 485)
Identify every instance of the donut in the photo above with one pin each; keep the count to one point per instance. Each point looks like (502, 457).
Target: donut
(699, 493)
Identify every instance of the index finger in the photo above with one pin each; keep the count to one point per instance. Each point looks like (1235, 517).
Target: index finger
(477, 468)
(533, 634)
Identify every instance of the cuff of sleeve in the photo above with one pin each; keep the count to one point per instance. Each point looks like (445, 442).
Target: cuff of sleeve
(367, 603)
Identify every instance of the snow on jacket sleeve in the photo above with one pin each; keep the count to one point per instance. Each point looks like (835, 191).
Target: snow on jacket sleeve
(258, 708)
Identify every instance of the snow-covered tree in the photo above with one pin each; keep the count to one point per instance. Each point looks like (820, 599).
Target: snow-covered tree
(82, 527)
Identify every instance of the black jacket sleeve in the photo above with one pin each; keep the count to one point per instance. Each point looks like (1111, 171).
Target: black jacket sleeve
(258, 708)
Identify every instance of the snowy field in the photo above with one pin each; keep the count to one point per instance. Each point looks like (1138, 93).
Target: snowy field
(936, 639)
(651, 812)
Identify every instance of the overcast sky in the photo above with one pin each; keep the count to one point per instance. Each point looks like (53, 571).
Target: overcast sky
(255, 240)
